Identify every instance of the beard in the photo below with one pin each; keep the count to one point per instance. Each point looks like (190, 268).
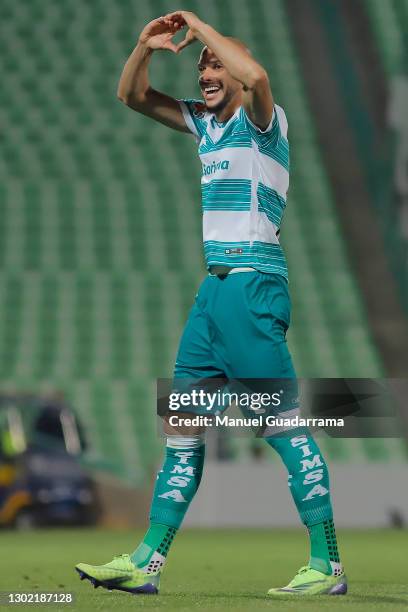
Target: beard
(217, 108)
(225, 100)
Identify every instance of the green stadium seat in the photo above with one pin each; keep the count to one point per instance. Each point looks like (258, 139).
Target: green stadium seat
(100, 233)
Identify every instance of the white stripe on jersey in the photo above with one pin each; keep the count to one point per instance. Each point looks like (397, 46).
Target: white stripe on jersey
(234, 226)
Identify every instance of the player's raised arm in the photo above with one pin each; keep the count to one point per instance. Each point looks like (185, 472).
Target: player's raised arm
(134, 88)
(257, 98)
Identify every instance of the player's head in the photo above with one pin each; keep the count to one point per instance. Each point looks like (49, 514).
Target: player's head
(217, 86)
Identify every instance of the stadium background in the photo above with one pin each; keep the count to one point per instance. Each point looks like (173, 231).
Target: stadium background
(100, 235)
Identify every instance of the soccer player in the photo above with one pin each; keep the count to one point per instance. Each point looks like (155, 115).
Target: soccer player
(237, 326)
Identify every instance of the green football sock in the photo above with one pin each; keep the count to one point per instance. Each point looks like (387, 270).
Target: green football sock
(324, 554)
(308, 477)
(157, 539)
(176, 485)
(309, 485)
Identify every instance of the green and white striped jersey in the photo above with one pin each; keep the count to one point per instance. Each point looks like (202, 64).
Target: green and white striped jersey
(245, 178)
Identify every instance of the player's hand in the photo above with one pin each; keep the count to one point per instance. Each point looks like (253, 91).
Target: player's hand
(188, 40)
(184, 19)
(159, 34)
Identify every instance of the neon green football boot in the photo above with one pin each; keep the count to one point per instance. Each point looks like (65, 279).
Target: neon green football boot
(120, 574)
(309, 581)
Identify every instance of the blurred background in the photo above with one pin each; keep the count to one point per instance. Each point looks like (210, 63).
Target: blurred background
(101, 252)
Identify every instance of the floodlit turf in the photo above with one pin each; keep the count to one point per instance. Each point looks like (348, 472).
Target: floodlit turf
(209, 570)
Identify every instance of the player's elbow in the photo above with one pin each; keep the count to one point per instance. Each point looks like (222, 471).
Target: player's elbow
(257, 78)
(130, 99)
(123, 98)
(123, 95)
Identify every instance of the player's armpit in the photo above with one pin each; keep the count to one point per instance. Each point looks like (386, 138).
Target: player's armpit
(160, 107)
(258, 101)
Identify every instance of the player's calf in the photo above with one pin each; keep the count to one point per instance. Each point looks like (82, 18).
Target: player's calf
(177, 483)
(309, 485)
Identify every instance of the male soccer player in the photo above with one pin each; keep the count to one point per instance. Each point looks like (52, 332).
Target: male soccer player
(238, 324)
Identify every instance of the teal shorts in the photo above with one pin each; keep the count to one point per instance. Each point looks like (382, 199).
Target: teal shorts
(237, 330)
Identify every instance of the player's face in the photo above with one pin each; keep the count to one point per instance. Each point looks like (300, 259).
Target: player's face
(216, 84)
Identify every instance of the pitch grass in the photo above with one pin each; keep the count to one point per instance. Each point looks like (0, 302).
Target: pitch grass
(209, 570)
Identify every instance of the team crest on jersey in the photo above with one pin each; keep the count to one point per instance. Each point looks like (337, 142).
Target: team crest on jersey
(199, 110)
